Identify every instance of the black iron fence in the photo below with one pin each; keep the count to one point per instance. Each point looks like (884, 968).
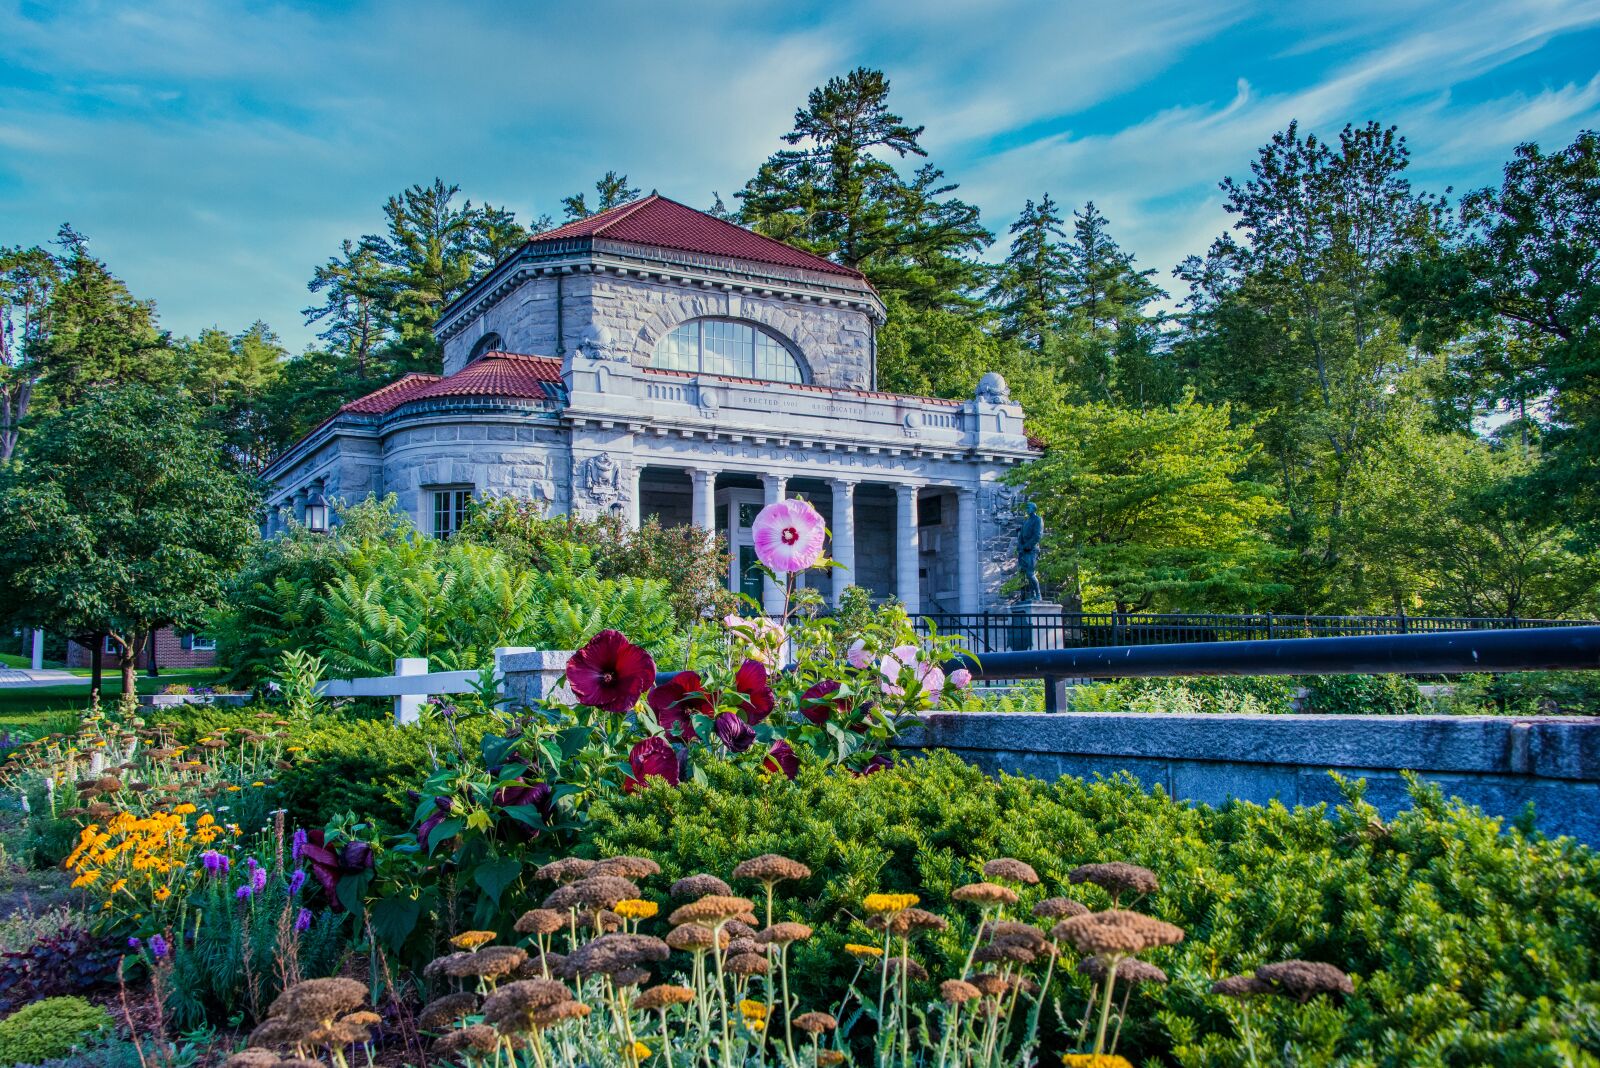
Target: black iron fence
(1022, 630)
(1572, 647)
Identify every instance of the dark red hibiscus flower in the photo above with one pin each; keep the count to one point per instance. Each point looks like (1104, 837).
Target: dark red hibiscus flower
(782, 758)
(327, 867)
(819, 705)
(442, 807)
(755, 696)
(875, 765)
(735, 733)
(518, 793)
(653, 756)
(610, 672)
(676, 700)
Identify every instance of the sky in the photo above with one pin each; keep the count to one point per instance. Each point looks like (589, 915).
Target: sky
(215, 152)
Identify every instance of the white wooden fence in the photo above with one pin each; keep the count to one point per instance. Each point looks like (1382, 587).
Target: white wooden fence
(525, 676)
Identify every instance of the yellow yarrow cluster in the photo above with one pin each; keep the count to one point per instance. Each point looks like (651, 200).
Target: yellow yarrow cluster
(889, 902)
(634, 908)
(863, 951)
(752, 1010)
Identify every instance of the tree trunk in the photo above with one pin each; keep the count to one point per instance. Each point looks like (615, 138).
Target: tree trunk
(128, 664)
(96, 664)
(155, 665)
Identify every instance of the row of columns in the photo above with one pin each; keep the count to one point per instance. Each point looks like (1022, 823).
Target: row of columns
(907, 540)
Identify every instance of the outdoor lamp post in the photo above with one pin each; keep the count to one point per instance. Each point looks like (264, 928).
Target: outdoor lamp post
(317, 512)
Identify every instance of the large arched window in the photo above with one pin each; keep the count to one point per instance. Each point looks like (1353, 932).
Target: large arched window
(728, 347)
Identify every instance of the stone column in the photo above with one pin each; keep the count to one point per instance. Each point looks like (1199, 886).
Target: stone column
(908, 587)
(771, 594)
(37, 659)
(968, 566)
(631, 513)
(844, 535)
(300, 505)
(705, 498)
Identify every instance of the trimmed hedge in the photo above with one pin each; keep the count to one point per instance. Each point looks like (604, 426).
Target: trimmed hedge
(50, 1028)
(1470, 945)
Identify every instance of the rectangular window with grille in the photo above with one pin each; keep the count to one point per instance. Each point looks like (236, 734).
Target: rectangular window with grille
(449, 510)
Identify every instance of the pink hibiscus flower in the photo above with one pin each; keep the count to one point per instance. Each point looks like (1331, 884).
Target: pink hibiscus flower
(789, 535)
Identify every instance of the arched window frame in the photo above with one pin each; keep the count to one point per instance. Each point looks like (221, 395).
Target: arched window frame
(490, 342)
(715, 353)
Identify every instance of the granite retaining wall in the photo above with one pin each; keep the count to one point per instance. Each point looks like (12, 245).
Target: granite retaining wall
(1498, 763)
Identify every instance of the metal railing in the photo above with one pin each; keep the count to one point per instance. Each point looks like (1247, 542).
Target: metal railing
(989, 632)
(1557, 648)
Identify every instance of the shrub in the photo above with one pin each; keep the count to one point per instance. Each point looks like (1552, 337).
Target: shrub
(1468, 942)
(1362, 695)
(1215, 693)
(49, 1028)
(71, 960)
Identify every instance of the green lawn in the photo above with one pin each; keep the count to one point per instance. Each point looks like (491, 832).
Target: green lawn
(24, 706)
(16, 660)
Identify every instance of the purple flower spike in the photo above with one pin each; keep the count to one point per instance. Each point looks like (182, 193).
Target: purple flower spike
(133, 943)
(296, 882)
(302, 920)
(258, 880)
(243, 892)
(298, 846)
(158, 946)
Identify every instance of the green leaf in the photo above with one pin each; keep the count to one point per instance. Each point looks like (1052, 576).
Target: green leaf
(495, 875)
(394, 918)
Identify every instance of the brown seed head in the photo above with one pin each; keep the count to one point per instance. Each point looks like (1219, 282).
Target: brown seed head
(711, 909)
(512, 1007)
(631, 977)
(783, 934)
(771, 868)
(627, 867)
(565, 870)
(604, 891)
(540, 922)
(995, 952)
(1059, 908)
(747, 964)
(319, 999)
(490, 962)
(275, 1032)
(536, 966)
(1240, 986)
(829, 1058)
(252, 1058)
(957, 991)
(895, 965)
(986, 894)
(1012, 871)
(663, 996)
(1130, 970)
(612, 953)
(815, 1023)
(1010, 930)
(1117, 878)
(1305, 979)
(479, 1038)
(696, 886)
(1116, 931)
(990, 984)
(447, 1011)
(694, 937)
(561, 1012)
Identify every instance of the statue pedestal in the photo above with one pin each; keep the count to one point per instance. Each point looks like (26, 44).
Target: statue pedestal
(1036, 625)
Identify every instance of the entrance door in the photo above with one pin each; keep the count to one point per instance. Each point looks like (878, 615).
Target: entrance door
(749, 578)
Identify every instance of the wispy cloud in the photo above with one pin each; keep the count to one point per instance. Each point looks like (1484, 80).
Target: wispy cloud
(216, 151)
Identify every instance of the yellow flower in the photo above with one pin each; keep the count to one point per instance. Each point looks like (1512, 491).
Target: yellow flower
(863, 951)
(184, 809)
(889, 902)
(258, 782)
(86, 879)
(1094, 1060)
(472, 939)
(295, 749)
(634, 908)
(640, 1050)
(752, 1010)
(234, 789)
(163, 892)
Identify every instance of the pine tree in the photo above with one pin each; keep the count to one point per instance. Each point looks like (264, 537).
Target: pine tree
(837, 195)
(1106, 309)
(1032, 284)
(27, 279)
(611, 191)
(353, 307)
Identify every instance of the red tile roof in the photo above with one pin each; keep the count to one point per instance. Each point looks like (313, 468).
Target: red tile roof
(494, 374)
(654, 220)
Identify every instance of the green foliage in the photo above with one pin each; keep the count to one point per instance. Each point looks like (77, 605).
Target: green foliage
(1253, 694)
(1362, 695)
(1465, 940)
(123, 518)
(50, 1028)
(691, 562)
(1525, 693)
(376, 590)
(1151, 509)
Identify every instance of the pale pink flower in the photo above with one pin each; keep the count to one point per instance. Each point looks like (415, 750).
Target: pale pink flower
(932, 679)
(857, 654)
(789, 535)
(961, 678)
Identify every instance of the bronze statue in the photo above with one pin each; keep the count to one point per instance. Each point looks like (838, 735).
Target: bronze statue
(1028, 539)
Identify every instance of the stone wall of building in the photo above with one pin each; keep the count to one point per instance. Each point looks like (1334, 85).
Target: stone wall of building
(834, 342)
(506, 454)
(1499, 763)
